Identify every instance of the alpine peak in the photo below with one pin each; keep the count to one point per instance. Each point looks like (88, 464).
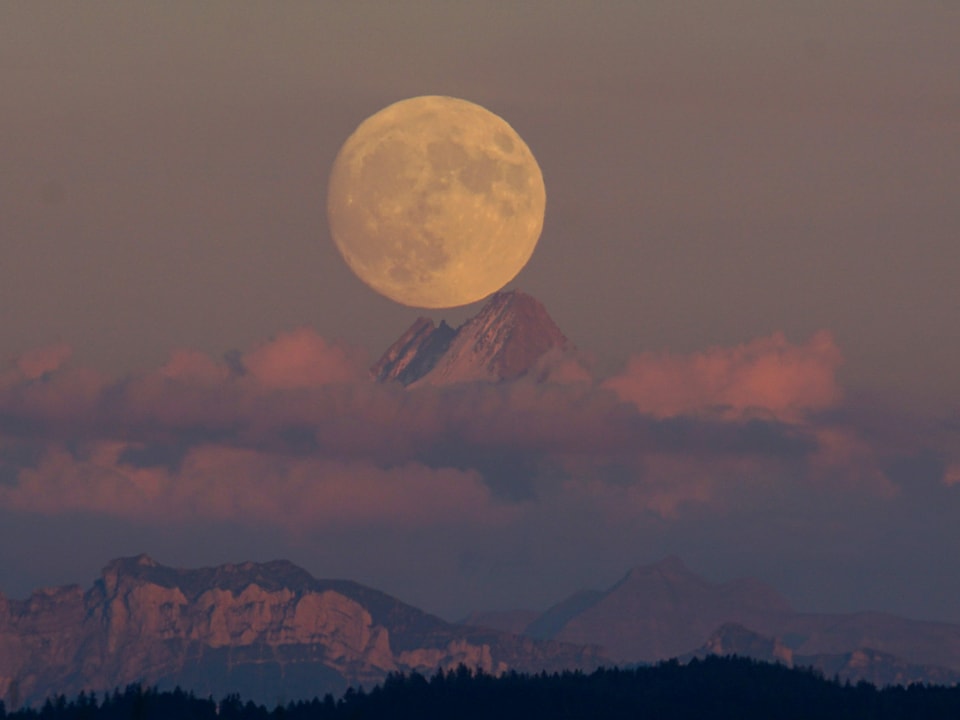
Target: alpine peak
(507, 339)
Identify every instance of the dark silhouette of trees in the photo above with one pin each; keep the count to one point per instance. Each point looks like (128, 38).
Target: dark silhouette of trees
(713, 688)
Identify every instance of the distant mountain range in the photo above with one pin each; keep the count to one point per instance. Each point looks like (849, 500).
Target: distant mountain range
(273, 632)
(512, 336)
(664, 610)
(269, 631)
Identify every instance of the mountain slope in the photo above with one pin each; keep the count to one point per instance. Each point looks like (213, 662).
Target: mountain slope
(269, 630)
(659, 611)
(664, 610)
(511, 336)
(415, 353)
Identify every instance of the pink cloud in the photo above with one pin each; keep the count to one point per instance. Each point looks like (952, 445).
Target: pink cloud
(193, 366)
(36, 363)
(300, 359)
(768, 376)
(304, 435)
(223, 483)
(951, 475)
(844, 456)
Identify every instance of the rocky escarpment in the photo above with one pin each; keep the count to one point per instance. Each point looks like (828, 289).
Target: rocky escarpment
(267, 630)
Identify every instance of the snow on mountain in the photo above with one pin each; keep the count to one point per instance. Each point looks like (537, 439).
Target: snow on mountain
(511, 336)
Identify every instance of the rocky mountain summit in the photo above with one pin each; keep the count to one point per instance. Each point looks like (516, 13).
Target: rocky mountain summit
(270, 631)
(511, 336)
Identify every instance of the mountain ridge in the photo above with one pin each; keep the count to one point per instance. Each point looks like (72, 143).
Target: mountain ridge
(274, 629)
(510, 337)
(663, 610)
(264, 628)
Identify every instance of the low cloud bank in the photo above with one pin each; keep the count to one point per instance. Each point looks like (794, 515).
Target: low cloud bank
(743, 460)
(293, 431)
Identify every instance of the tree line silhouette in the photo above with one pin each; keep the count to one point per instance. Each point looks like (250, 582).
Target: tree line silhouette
(715, 687)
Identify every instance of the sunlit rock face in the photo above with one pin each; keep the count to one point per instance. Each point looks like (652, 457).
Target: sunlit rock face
(512, 336)
(264, 630)
(735, 639)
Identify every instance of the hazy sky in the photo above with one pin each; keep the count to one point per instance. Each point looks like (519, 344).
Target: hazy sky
(750, 205)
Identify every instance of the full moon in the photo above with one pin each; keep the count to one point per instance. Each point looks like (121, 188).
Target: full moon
(435, 202)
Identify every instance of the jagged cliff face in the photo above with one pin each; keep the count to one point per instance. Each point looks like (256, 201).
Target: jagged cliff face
(510, 337)
(415, 353)
(267, 631)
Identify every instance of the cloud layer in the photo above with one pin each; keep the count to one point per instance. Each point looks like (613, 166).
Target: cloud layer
(293, 438)
(767, 377)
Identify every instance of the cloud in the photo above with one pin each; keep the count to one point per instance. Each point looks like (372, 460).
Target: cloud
(194, 367)
(294, 431)
(951, 475)
(290, 449)
(768, 377)
(56, 404)
(222, 483)
(845, 457)
(40, 361)
(300, 359)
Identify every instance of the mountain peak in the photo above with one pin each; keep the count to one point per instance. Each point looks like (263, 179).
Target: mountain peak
(659, 610)
(670, 566)
(144, 570)
(516, 302)
(504, 341)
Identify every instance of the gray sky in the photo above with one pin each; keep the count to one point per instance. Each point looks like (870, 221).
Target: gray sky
(716, 173)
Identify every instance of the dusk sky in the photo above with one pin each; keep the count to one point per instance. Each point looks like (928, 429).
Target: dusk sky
(752, 235)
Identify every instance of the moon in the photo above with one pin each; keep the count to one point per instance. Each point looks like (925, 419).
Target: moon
(435, 202)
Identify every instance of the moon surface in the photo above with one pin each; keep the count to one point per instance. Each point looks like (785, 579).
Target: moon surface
(435, 202)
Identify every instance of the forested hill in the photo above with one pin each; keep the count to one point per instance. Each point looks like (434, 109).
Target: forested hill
(711, 688)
